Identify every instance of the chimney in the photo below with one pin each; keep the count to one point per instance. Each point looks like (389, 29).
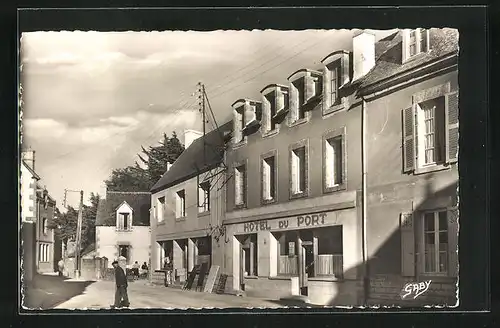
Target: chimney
(363, 47)
(29, 157)
(190, 136)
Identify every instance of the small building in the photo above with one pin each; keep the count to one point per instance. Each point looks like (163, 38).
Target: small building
(28, 215)
(45, 239)
(122, 227)
(188, 205)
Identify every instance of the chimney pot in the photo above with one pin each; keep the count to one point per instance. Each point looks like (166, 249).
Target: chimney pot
(363, 46)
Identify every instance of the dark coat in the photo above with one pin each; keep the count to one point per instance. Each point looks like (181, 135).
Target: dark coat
(168, 266)
(120, 277)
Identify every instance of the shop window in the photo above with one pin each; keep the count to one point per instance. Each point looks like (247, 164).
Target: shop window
(329, 257)
(287, 253)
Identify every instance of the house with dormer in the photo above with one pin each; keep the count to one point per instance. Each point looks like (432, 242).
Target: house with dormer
(122, 227)
(343, 181)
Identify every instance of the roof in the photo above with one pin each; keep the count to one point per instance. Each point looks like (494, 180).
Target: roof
(196, 159)
(139, 201)
(443, 41)
(36, 176)
(40, 193)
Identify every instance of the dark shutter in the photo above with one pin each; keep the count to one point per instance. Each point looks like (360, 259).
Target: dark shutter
(451, 110)
(453, 242)
(408, 139)
(407, 245)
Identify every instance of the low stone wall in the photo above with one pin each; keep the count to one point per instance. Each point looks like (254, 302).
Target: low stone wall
(270, 288)
(387, 289)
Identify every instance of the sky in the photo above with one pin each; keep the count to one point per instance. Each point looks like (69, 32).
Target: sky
(91, 99)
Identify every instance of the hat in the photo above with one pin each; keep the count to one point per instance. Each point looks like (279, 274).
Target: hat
(114, 262)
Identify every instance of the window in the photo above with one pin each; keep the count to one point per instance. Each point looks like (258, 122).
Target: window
(239, 124)
(333, 162)
(240, 185)
(417, 41)
(180, 204)
(431, 126)
(43, 252)
(436, 242)
(44, 226)
(160, 207)
(269, 178)
(287, 253)
(329, 260)
(124, 222)
(334, 80)
(203, 250)
(204, 197)
(298, 170)
(124, 250)
(430, 130)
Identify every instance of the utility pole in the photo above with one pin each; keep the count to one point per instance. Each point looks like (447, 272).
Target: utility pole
(78, 231)
(79, 237)
(201, 103)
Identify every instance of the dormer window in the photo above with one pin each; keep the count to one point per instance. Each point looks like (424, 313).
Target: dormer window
(247, 116)
(124, 217)
(239, 124)
(274, 107)
(305, 85)
(415, 41)
(336, 75)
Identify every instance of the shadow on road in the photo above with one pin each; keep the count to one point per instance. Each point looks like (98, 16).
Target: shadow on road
(46, 292)
(293, 303)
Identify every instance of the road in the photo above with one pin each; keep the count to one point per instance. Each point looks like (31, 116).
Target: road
(143, 295)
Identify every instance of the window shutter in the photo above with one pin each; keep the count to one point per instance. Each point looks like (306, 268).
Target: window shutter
(328, 163)
(201, 197)
(237, 187)
(265, 180)
(243, 185)
(310, 84)
(280, 100)
(453, 242)
(237, 127)
(293, 172)
(177, 206)
(406, 34)
(451, 119)
(266, 115)
(408, 139)
(407, 245)
(344, 63)
(294, 104)
(326, 88)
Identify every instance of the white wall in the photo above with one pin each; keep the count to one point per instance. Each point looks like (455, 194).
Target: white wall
(107, 239)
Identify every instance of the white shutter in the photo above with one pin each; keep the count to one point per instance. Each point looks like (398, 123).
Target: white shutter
(407, 245)
(344, 63)
(266, 111)
(326, 89)
(453, 231)
(178, 206)
(328, 164)
(280, 100)
(237, 187)
(293, 172)
(242, 185)
(294, 103)
(309, 87)
(265, 180)
(201, 199)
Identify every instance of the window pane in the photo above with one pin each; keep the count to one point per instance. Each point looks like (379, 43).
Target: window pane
(430, 261)
(429, 221)
(443, 221)
(429, 239)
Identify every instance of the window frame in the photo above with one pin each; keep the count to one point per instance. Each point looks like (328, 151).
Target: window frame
(291, 148)
(334, 66)
(236, 165)
(337, 133)
(205, 186)
(263, 157)
(437, 251)
(420, 35)
(182, 205)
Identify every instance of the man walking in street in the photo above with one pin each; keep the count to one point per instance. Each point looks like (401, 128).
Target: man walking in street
(121, 297)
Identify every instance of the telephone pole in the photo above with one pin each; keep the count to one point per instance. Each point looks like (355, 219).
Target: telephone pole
(78, 231)
(201, 103)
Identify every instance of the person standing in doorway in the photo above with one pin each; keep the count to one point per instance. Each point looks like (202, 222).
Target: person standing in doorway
(121, 296)
(168, 266)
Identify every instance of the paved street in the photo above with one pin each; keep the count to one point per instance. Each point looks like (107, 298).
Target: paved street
(143, 295)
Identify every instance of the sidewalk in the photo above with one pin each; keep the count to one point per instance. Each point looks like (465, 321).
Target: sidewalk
(47, 291)
(143, 295)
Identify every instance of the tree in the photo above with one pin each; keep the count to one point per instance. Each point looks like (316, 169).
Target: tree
(155, 158)
(64, 224)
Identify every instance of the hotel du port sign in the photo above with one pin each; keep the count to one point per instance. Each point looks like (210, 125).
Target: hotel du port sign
(290, 223)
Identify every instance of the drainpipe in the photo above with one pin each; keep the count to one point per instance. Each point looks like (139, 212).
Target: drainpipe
(366, 275)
